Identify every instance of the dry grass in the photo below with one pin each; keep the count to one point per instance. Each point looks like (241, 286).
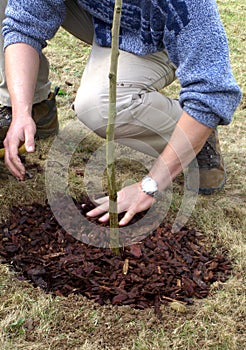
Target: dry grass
(30, 319)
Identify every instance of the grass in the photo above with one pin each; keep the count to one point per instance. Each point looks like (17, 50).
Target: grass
(30, 319)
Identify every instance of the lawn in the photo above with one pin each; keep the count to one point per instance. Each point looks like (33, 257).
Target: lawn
(31, 319)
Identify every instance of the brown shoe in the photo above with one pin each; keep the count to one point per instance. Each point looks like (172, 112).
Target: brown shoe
(43, 113)
(45, 116)
(5, 120)
(212, 175)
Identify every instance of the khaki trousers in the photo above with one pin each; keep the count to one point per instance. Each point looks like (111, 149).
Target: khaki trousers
(145, 117)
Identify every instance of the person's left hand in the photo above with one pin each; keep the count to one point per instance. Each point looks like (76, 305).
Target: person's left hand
(131, 199)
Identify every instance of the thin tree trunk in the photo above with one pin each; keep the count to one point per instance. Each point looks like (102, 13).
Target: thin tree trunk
(110, 145)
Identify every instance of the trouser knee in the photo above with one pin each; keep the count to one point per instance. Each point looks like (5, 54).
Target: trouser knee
(92, 108)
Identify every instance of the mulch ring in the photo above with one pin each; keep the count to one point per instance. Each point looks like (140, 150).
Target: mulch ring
(162, 267)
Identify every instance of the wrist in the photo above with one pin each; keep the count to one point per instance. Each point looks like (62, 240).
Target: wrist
(23, 110)
(149, 186)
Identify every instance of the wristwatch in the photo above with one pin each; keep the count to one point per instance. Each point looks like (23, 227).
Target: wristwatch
(149, 186)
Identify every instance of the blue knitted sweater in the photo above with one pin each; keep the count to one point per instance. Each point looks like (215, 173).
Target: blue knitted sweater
(190, 30)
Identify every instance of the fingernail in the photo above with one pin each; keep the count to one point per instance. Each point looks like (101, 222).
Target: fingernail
(29, 148)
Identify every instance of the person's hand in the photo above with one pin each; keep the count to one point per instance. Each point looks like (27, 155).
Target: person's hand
(131, 199)
(20, 131)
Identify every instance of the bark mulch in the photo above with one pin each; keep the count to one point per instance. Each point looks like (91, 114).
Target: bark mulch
(160, 268)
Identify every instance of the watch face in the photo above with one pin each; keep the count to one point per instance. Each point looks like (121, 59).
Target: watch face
(149, 186)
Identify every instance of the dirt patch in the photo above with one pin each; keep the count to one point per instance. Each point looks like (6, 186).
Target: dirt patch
(160, 268)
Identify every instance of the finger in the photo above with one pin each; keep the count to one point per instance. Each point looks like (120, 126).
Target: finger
(127, 218)
(104, 218)
(104, 207)
(98, 210)
(29, 140)
(13, 163)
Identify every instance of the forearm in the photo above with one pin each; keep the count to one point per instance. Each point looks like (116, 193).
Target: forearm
(187, 140)
(22, 64)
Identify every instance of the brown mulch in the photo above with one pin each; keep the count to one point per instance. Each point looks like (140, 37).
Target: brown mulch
(162, 267)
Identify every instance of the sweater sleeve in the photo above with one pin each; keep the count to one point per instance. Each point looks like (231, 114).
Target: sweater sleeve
(32, 21)
(196, 42)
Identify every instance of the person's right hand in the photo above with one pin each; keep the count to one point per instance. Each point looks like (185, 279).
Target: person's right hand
(20, 131)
